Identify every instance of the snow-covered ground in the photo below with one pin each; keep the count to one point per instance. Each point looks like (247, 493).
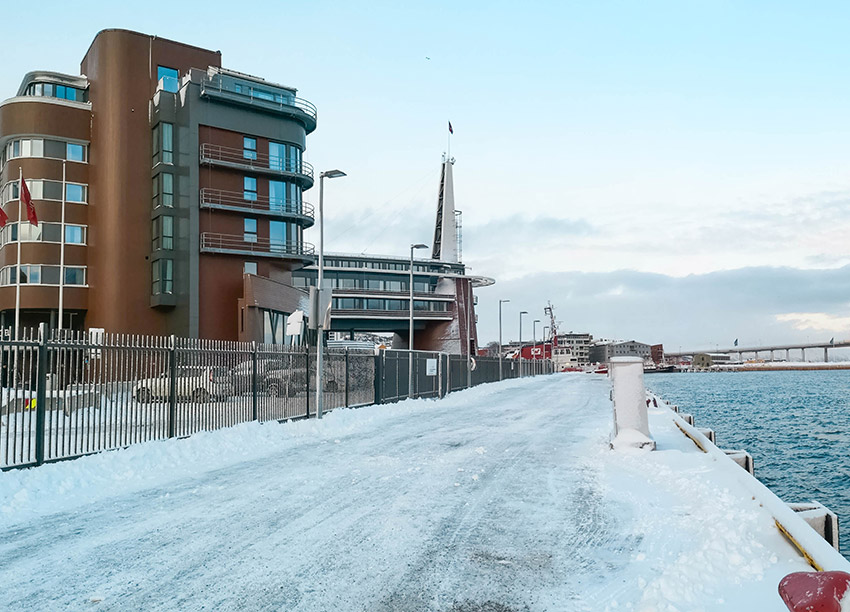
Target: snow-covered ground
(503, 497)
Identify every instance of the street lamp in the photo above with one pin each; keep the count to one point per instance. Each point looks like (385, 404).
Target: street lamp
(500, 336)
(320, 342)
(410, 337)
(523, 312)
(534, 342)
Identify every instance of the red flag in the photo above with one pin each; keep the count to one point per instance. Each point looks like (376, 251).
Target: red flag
(451, 131)
(3, 217)
(27, 199)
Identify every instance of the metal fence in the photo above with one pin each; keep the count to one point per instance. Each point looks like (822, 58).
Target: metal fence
(65, 395)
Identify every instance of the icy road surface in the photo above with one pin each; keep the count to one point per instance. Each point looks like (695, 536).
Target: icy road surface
(501, 498)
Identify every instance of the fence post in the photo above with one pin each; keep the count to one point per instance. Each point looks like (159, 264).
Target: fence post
(346, 377)
(254, 382)
(40, 394)
(172, 388)
(379, 377)
(307, 378)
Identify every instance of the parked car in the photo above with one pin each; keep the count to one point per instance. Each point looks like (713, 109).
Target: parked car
(293, 381)
(198, 383)
(242, 375)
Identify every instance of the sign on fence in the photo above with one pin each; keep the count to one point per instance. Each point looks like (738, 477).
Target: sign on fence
(430, 367)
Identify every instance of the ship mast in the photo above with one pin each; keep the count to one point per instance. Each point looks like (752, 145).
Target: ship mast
(553, 326)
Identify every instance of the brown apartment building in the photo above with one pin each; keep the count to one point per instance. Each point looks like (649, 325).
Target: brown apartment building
(182, 194)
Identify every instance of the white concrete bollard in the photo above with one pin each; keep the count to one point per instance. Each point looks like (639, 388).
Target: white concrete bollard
(631, 423)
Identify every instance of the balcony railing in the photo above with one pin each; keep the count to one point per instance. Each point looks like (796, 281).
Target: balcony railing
(234, 244)
(235, 201)
(345, 313)
(262, 97)
(257, 162)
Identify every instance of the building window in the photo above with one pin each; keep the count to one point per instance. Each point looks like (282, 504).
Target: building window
(277, 196)
(250, 268)
(169, 78)
(162, 276)
(249, 189)
(249, 147)
(75, 276)
(49, 90)
(162, 233)
(277, 156)
(162, 186)
(75, 234)
(37, 274)
(163, 144)
(277, 236)
(44, 232)
(250, 233)
(75, 152)
(75, 193)
(274, 327)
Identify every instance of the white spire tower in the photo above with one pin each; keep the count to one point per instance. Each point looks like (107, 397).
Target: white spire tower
(445, 230)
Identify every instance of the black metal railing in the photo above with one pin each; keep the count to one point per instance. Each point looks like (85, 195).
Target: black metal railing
(264, 247)
(257, 162)
(71, 394)
(262, 205)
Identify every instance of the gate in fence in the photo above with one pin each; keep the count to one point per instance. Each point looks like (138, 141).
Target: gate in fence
(69, 394)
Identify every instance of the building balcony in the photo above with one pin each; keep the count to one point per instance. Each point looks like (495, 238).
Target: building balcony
(259, 96)
(234, 201)
(257, 163)
(398, 315)
(234, 244)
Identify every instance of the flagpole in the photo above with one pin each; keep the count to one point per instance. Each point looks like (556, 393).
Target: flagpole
(18, 274)
(62, 255)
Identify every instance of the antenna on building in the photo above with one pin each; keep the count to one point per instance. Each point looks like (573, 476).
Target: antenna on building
(459, 230)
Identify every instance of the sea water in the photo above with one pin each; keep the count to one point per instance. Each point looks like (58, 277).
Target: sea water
(795, 424)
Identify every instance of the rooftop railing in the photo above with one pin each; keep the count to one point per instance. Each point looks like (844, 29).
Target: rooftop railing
(263, 205)
(264, 97)
(235, 244)
(257, 162)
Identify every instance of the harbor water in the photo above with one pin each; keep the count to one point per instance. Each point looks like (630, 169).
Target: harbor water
(795, 424)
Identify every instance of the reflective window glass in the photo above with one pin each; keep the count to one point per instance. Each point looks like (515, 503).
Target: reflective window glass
(75, 152)
(250, 230)
(167, 143)
(75, 234)
(75, 276)
(277, 156)
(249, 188)
(167, 189)
(277, 235)
(167, 232)
(277, 195)
(249, 147)
(75, 193)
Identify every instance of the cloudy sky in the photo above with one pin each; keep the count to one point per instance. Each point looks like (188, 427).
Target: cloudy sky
(668, 171)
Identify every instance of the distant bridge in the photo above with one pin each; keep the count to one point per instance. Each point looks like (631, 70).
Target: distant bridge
(770, 348)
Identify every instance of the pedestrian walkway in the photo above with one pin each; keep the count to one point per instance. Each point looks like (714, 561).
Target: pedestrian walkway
(500, 498)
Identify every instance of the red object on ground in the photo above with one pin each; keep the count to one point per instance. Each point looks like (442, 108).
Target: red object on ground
(814, 591)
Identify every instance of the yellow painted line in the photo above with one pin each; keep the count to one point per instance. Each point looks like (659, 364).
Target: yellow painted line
(693, 439)
(797, 545)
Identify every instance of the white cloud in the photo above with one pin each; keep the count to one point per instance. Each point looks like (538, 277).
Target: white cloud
(817, 321)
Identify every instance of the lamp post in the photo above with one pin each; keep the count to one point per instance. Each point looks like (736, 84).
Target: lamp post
(545, 335)
(500, 336)
(410, 337)
(534, 344)
(320, 331)
(523, 312)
